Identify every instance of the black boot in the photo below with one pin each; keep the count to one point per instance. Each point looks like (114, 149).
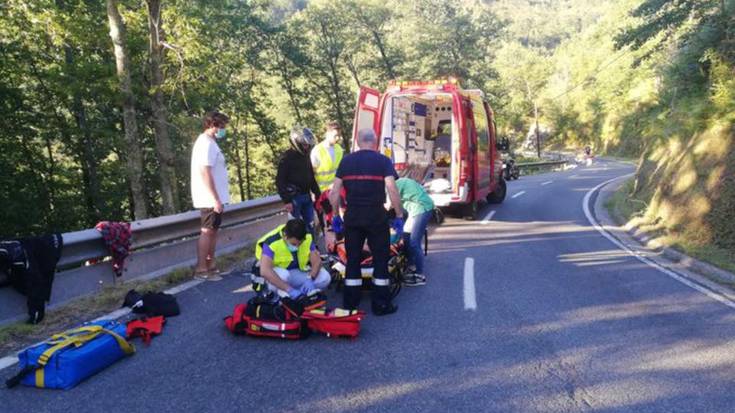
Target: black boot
(386, 309)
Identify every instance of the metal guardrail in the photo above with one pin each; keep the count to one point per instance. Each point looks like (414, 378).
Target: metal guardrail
(80, 246)
(544, 163)
(160, 245)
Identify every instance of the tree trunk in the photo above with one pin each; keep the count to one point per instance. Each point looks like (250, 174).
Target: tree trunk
(133, 154)
(353, 70)
(538, 138)
(383, 55)
(238, 161)
(333, 77)
(164, 148)
(84, 147)
(85, 152)
(247, 160)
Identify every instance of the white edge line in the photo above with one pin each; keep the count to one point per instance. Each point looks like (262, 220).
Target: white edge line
(470, 298)
(488, 217)
(647, 261)
(11, 360)
(546, 183)
(518, 194)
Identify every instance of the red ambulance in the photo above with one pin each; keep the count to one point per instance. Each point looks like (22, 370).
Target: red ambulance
(440, 135)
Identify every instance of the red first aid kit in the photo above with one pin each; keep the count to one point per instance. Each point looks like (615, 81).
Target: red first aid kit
(265, 320)
(334, 323)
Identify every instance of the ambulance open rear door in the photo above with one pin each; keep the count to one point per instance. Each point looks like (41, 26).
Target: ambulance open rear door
(367, 113)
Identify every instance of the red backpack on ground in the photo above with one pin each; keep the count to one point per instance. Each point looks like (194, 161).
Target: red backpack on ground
(293, 319)
(265, 320)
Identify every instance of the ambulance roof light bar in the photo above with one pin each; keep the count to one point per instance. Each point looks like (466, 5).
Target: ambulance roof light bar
(448, 83)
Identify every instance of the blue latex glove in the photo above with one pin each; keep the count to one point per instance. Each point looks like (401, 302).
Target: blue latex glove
(307, 287)
(294, 293)
(397, 225)
(337, 224)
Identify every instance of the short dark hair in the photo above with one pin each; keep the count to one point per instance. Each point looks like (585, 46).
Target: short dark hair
(333, 125)
(295, 228)
(216, 119)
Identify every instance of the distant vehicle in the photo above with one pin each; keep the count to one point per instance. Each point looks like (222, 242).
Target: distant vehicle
(511, 170)
(588, 156)
(440, 135)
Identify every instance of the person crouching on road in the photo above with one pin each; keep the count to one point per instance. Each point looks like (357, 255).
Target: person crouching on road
(295, 177)
(289, 260)
(326, 156)
(209, 191)
(366, 174)
(420, 208)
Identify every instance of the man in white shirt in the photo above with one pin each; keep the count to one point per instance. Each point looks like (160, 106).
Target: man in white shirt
(209, 191)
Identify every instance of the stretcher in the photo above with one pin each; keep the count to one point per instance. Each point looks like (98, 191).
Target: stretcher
(336, 263)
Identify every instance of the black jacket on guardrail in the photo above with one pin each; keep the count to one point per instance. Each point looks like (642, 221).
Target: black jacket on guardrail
(30, 265)
(295, 176)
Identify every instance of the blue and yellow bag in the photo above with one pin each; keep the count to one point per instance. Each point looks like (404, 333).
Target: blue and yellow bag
(67, 358)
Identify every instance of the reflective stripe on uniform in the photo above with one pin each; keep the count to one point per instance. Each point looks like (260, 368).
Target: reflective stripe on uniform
(363, 178)
(381, 282)
(353, 282)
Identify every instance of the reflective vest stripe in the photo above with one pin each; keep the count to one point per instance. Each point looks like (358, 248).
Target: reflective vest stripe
(381, 282)
(353, 282)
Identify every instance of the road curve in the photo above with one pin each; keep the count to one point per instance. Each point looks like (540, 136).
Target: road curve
(529, 310)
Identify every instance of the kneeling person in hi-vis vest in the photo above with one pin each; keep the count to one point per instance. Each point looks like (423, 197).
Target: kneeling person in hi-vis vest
(289, 260)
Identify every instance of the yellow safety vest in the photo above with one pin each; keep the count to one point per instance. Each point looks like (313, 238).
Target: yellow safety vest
(282, 256)
(327, 167)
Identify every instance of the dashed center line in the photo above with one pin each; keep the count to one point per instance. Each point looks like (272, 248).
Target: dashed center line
(518, 194)
(573, 176)
(546, 183)
(470, 297)
(488, 217)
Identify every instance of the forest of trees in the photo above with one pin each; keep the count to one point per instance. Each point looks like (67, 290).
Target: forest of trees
(101, 100)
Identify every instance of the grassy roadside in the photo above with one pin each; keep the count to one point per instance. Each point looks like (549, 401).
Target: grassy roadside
(624, 208)
(18, 335)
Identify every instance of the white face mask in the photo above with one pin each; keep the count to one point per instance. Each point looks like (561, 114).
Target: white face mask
(291, 247)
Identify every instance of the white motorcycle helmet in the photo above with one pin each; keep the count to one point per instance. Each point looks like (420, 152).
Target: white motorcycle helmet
(302, 139)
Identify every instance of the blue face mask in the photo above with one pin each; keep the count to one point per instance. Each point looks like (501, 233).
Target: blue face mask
(291, 247)
(220, 133)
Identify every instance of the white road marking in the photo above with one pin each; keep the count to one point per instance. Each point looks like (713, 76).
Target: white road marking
(546, 183)
(8, 361)
(637, 255)
(470, 298)
(488, 217)
(518, 194)
(573, 176)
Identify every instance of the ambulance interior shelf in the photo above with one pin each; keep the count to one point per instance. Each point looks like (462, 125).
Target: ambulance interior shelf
(423, 136)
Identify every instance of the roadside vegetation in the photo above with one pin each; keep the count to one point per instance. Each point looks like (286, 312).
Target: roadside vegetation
(99, 123)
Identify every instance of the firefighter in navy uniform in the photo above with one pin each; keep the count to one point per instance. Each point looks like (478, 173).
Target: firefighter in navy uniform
(366, 174)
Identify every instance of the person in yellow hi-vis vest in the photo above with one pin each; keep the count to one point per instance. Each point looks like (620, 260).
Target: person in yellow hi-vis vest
(289, 260)
(326, 156)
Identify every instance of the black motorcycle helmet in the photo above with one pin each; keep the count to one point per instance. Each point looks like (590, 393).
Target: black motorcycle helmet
(302, 139)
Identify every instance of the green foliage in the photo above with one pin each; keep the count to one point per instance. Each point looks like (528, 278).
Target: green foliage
(626, 76)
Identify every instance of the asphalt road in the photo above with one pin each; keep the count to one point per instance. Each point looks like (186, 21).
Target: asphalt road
(561, 321)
